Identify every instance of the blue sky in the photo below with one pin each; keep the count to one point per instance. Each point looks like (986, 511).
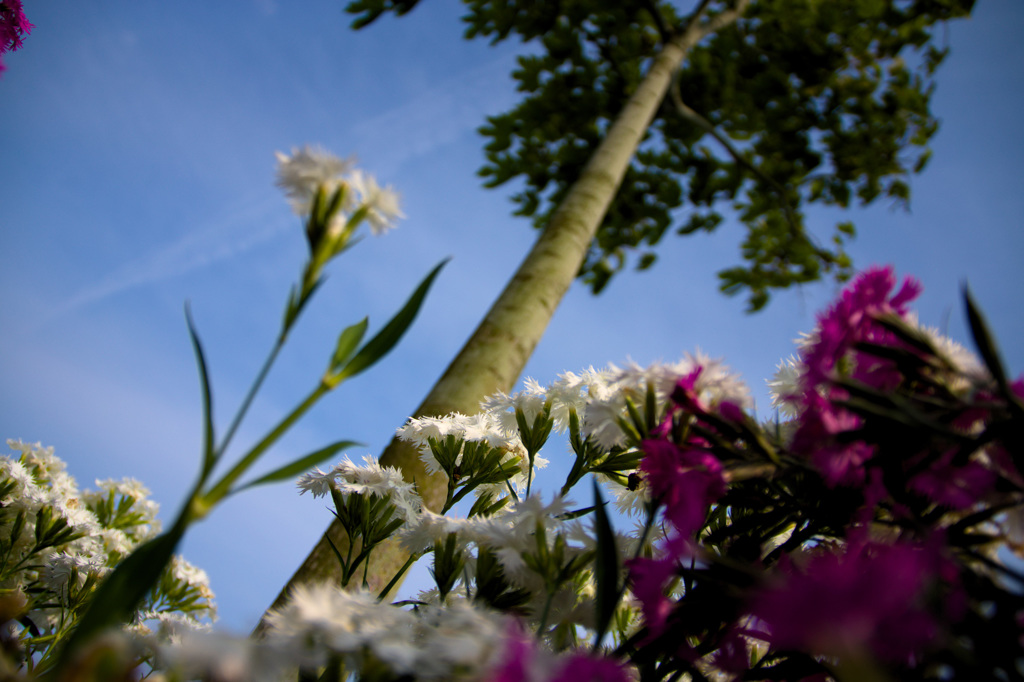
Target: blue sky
(138, 143)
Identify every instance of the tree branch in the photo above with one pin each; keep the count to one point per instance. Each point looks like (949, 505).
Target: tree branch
(663, 30)
(779, 190)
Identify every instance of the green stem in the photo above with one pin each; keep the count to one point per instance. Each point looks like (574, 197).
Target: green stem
(222, 488)
(398, 576)
(252, 393)
(529, 473)
(544, 614)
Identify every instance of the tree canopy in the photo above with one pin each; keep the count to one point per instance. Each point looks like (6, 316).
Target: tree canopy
(796, 102)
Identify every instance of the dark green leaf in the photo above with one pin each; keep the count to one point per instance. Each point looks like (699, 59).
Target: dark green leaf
(984, 341)
(606, 568)
(209, 444)
(119, 595)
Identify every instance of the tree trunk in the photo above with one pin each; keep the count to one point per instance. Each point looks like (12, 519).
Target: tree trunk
(494, 356)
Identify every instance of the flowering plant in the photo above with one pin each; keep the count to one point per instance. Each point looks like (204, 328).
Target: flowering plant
(56, 545)
(869, 535)
(107, 590)
(13, 28)
(870, 531)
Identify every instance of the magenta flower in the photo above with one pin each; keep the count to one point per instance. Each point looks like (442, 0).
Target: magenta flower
(819, 437)
(524, 661)
(685, 393)
(649, 578)
(13, 27)
(585, 667)
(685, 482)
(865, 600)
(517, 658)
(947, 484)
(849, 320)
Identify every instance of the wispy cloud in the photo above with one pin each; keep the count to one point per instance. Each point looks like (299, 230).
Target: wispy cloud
(438, 116)
(239, 228)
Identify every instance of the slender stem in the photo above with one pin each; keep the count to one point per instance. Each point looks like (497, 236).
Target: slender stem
(529, 473)
(544, 614)
(221, 489)
(349, 567)
(511, 490)
(398, 576)
(252, 393)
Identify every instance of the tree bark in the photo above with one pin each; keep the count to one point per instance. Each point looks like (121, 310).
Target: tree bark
(494, 356)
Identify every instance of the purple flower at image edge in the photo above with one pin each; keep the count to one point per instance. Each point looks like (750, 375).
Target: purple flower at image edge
(13, 28)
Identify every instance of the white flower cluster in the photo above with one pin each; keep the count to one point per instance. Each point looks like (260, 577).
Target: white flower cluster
(371, 478)
(57, 543)
(308, 169)
(322, 622)
(598, 398)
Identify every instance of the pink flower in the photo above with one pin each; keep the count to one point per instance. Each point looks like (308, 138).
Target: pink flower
(947, 484)
(849, 321)
(524, 661)
(868, 599)
(585, 667)
(686, 482)
(649, 578)
(13, 27)
(821, 436)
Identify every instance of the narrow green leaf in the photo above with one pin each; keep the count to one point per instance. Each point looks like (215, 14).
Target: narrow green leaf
(209, 442)
(300, 465)
(606, 568)
(984, 341)
(387, 337)
(348, 341)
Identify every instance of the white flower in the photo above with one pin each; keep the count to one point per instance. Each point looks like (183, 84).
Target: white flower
(345, 622)
(60, 566)
(26, 494)
(481, 427)
(195, 578)
(631, 502)
(785, 386)
(301, 175)
(502, 407)
(607, 404)
(316, 481)
(457, 637)
(218, 656)
(381, 203)
(569, 392)
(429, 527)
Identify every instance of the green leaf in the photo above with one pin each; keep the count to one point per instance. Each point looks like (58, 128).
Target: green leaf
(984, 341)
(348, 341)
(302, 464)
(209, 451)
(386, 338)
(606, 568)
(119, 595)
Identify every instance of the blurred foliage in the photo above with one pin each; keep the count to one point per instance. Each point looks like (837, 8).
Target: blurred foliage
(822, 101)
